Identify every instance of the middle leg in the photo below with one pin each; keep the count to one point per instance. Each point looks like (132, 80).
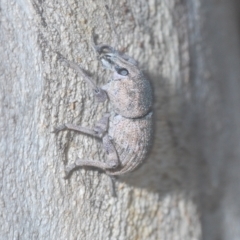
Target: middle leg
(98, 131)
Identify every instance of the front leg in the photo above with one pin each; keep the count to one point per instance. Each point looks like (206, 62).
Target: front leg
(99, 93)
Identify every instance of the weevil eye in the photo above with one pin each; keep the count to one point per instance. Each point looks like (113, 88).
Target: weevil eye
(122, 71)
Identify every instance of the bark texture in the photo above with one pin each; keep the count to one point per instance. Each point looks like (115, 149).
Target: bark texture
(196, 122)
(215, 58)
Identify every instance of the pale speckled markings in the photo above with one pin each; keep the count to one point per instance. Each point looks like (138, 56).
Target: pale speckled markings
(132, 139)
(130, 97)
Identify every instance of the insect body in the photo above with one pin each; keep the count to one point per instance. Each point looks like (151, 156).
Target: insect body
(126, 132)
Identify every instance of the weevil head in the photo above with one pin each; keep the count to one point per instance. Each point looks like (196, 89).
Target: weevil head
(129, 91)
(122, 65)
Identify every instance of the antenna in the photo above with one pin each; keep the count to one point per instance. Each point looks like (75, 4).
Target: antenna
(113, 27)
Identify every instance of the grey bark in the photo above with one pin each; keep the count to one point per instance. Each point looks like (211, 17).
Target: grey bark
(196, 121)
(215, 59)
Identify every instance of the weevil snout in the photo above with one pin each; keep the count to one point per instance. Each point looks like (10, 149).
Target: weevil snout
(112, 62)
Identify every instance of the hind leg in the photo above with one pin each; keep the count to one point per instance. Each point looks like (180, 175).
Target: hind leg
(111, 163)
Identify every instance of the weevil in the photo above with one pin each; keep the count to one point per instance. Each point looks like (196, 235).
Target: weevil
(125, 132)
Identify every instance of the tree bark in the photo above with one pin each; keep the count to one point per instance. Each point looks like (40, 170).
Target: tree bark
(196, 121)
(215, 57)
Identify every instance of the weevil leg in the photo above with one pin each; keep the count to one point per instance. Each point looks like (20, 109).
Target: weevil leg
(112, 156)
(84, 163)
(99, 93)
(99, 131)
(100, 128)
(111, 163)
(80, 129)
(112, 183)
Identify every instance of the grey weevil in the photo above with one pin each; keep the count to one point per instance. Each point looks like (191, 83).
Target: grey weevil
(126, 132)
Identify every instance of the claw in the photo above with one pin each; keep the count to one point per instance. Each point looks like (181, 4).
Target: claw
(67, 174)
(68, 170)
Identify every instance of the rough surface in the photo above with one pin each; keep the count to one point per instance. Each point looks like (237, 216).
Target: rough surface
(216, 129)
(156, 202)
(133, 138)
